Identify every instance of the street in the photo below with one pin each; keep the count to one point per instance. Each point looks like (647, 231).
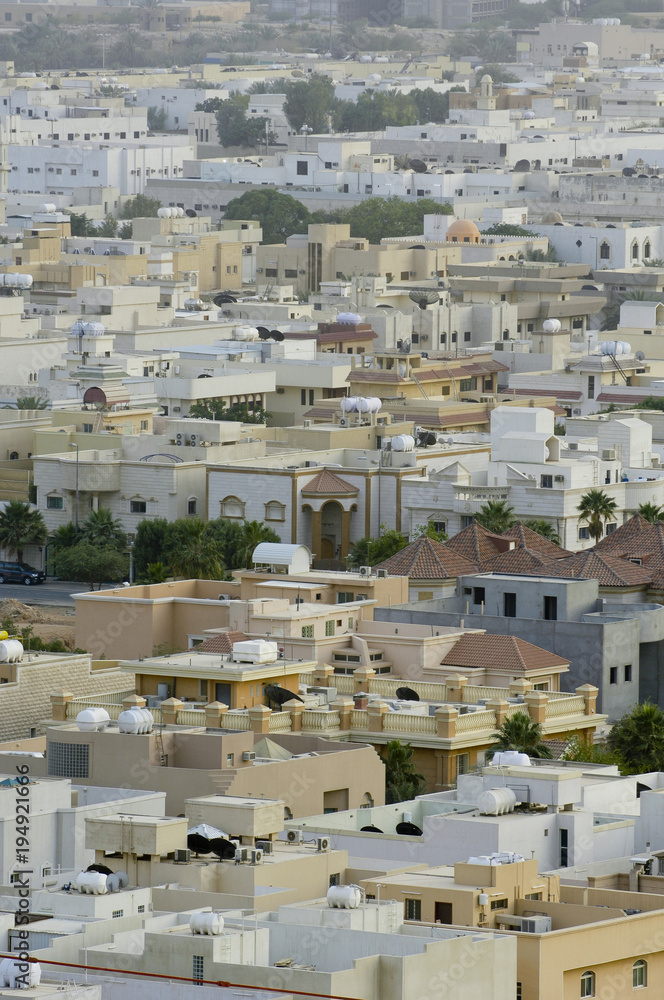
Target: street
(54, 593)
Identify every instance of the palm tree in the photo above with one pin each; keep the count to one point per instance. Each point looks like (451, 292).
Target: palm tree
(101, 528)
(31, 403)
(543, 528)
(402, 781)
(638, 739)
(253, 533)
(64, 537)
(496, 516)
(596, 508)
(198, 557)
(652, 512)
(21, 525)
(519, 732)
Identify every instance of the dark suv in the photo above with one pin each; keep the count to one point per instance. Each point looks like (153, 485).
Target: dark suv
(16, 572)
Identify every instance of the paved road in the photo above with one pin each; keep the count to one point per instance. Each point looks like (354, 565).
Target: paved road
(54, 593)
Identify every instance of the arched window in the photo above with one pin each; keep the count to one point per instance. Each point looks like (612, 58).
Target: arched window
(605, 251)
(367, 802)
(192, 504)
(231, 507)
(275, 511)
(635, 250)
(288, 813)
(646, 250)
(13, 455)
(639, 974)
(587, 985)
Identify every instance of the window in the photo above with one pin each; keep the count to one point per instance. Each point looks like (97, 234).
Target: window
(88, 428)
(519, 992)
(138, 506)
(583, 533)
(334, 879)
(197, 968)
(275, 511)
(498, 904)
(439, 525)
(628, 672)
(144, 425)
(610, 527)
(479, 595)
(307, 631)
(564, 845)
(68, 760)
(466, 336)
(117, 913)
(140, 908)
(303, 397)
(533, 895)
(462, 761)
(55, 503)
(329, 628)
(587, 985)
(550, 609)
(413, 909)
(302, 167)
(231, 507)
(230, 759)
(192, 505)
(613, 675)
(546, 482)
(509, 605)
(591, 387)
(639, 974)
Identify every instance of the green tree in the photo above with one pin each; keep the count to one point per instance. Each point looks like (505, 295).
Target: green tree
(611, 312)
(402, 781)
(311, 102)
(194, 556)
(507, 229)
(496, 516)
(541, 256)
(101, 528)
(64, 537)
(519, 732)
(217, 409)
(380, 218)
(126, 231)
(650, 403)
(21, 525)
(370, 551)
(498, 74)
(654, 262)
(638, 739)
(81, 225)
(228, 538)
(156, 573)
(280, 215)
(31, 403)
(253, 533)
(109, 227)
(234, 128)
(543, 528)
(596, 508)
(157, 118)
(91, 564)
(430, 531)
(591, 753)
(652, 512)
(150, 544)
(140, 207)
(374, 110)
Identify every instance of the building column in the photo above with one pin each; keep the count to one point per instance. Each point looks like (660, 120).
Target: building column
(316, 518)
(345, 532)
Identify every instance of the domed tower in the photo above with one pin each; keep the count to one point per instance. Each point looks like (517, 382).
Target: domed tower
(486, 101)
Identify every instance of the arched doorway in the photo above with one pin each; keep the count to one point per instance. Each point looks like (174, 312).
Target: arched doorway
(330, 530)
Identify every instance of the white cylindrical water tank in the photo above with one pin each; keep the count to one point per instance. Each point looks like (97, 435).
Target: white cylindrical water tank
(403, 442)
(362, 404)
(163, 213)
(11, 651)
(374, 78)
(92, 882)
(94, 329)
(375, 404)
(352, 319)
(507, 758)
(48, 208)
(496, 801)
(130, 721)
(206, 923)
(92, 720)
(551, 325)
(624, 347)
(344, 897)
(25, 281)
(77, 329)
(349, 404)
(13, 973)
(246, 333)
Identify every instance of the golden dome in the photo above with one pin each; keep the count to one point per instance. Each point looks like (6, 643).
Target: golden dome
(463, 231)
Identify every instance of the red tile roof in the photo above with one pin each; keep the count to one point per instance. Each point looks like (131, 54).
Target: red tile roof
(638, 539)
(618, 397)
(527, 538)
(609, 570)
(522, 561)
(559, 394)
(329, 482)
(505, 652)
(476, 544)
(221, 643)
(427, 559)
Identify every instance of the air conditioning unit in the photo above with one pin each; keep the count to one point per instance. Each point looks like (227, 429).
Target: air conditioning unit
(424, 336)
(559, 479)
(182, 856)
(306, 422)
(381, 573)
(322, 843)
(193, 440)
(248, 755)
(266, 846)
(294, 836)
(241, 854)
(344, 422)
(576, 413)
(536, 925)
(365, 570)
(609, 455)
(179, 439)
(256, 856)
(573, 445)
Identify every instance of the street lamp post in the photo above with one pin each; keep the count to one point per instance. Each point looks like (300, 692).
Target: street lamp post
(73, 444)
(103, 35)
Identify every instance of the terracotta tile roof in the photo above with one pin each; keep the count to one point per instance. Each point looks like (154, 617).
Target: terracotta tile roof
(528, 539)
(610, 570)
(558, 394)
(221, 643)
(374, 375)
(476, 544)
(321, 412)
(522, 560)
(557, 748)
(629, 399)
(427, 559)
(638, 539)
(328, 482)
(506, 652)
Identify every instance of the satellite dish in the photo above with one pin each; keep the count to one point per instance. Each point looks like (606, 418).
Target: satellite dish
(112, 883)
(223, 299)
(263, 332)
(297, 73)
(408, 830)
(102, 869)
(95, 396)
(198, 844)
(279, 695)
(370, 829)
(406, 693)
(224, 849)
(640, 356)
(424, 297)
(189, 212)
(204, 375)
(419, 166)
(417, 246)
(277, 335)
(124, 879)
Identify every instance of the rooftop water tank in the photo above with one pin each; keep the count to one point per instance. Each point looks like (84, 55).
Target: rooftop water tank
(92, 720)
(13, 973)
(94, 329)
(344, 897)
(352, 319)
(369, 404)
(349, 404)
(246, 333)
(135, 720)
(551, 325)
(255, 651)
(48, 209)
(615, 347)
(93, 883)
(496, 802)
(510, 758)
(11, 651)
(206, 923)
(403, 442)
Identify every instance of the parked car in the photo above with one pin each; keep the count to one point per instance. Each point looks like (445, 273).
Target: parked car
(20, 572)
